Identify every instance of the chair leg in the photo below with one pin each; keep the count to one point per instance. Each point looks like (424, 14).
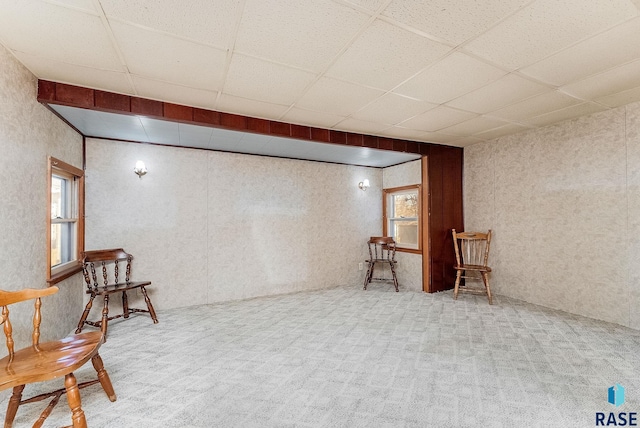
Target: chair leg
(152, 311)
(457, 286)
(393, 274)
(105, 317)
(85, 314)
(103, 377)
(14, 402)
(75, 404)
(367, 277)
(125, 304)
(485, 279)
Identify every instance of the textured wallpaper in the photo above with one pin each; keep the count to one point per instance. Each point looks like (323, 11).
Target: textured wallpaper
(563, 205)
(210, 226)
(28, 134)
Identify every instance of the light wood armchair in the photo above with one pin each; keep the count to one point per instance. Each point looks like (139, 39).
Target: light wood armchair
(45, 361)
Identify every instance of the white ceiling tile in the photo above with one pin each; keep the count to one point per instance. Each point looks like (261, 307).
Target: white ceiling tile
(370, 5)
(609, 82)
(596, 54)
(158, 56)
(256, 139)
(466, 141)
(565, 114)
(392, 108)
(223, 139)
(105, 125)
(210, 22)
(535, 106)
(338, 97)
(194, 135)
(454, 21)
(161, 131)
(303, 34)
(361, 126)
(383, 56)
(502, 92)
(437, 118)
(501, 131)
(57, 33)
(450, 78)
(404, 133)
(621, 98)
(474, 126)
(438, 137)
(56, 71)
(88, 6)
(312, 118)
(250, 107)
(163, 91)
(547, 26)
(265, 81)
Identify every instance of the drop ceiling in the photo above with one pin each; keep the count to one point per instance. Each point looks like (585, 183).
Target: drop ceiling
(438, 71)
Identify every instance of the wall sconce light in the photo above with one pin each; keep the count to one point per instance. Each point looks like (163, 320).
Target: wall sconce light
(364, 184)
(140, 169)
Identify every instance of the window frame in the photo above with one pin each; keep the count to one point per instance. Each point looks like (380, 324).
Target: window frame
(60, 168)
(386, 194)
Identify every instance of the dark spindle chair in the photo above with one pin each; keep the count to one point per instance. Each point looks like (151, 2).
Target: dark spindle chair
(45, 361)
(382, 250)
(472, 256)
(107, 261)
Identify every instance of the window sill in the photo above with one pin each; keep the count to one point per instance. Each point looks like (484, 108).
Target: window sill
(408, 250)
(64, 274)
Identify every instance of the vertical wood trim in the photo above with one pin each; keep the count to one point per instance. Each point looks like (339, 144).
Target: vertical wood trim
(48, 218)
(426, 233)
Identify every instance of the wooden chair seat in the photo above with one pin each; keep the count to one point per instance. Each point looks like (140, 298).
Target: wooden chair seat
(473, 267)
(107, 261)
(472, 255)
(120, 287)
(45, 361)
(49, 360)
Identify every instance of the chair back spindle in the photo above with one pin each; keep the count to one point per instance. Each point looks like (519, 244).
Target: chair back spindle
(8, 331)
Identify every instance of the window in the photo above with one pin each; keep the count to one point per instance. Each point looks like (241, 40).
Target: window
(65, 241)
(402, 216)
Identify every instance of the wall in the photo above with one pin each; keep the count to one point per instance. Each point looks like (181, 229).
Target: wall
(28, 134)
(564, 204)
(210, 226)
(409, 269)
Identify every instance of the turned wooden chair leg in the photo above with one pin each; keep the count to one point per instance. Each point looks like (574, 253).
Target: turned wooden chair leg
(103, 377)
(485, 279)
(105, 317)
(367, 277)
(85, 314)
(152, 311)
(393, 274)
(14, 402)
(125, 305)
(457, 286)
(75, 404)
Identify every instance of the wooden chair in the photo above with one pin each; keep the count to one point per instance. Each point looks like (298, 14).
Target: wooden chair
(472, 254)
(44, 361)
(107, 261)
(382, 250)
